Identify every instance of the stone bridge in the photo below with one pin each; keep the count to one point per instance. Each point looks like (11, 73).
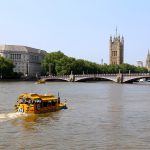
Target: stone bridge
(118, 78)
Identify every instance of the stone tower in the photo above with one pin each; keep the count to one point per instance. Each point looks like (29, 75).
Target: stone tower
(116, 49)
(148, 61)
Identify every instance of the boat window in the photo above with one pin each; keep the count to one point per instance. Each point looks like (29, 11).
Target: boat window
(45, 104)
(53, 103)
(49, 103)
(22, 101)
(37, 100)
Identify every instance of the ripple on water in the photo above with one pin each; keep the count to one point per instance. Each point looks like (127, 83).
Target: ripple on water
(100, 116)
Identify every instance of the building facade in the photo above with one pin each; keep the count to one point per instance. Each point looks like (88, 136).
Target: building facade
(148, 61)
(26, 60)
(116, 50)
(139, 63)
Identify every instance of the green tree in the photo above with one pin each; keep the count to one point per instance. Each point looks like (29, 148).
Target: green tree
(64, 66)
(59, 64)
(6, 68)
(50, 61)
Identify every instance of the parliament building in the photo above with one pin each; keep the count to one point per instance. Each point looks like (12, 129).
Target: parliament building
(116, 50)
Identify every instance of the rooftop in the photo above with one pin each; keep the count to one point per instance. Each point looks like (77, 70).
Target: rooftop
(20, 48)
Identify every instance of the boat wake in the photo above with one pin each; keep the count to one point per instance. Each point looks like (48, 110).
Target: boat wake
(11, 116)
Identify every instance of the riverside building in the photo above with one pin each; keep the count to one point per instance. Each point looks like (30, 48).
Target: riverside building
(26, 60)
(139, 63)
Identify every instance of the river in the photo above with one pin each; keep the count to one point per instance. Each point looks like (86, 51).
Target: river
(100, 115)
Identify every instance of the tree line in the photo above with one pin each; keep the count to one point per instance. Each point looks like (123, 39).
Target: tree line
(6, 69)
(57, 63)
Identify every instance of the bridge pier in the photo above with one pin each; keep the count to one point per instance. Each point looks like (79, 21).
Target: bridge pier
(120, 78)
(72, 78)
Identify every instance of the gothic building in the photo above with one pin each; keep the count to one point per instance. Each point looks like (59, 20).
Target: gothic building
(116, 49)
(148, 61)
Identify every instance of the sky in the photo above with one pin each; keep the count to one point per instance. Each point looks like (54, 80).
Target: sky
(78, 28)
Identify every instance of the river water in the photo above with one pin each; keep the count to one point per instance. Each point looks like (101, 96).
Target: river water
(100, 115)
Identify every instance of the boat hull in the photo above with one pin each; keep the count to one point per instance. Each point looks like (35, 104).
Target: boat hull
(37, 109)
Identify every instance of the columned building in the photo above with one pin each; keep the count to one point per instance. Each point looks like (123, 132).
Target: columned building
(26, 60)
(116, 50)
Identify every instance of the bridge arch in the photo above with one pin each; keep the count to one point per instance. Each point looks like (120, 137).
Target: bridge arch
(83, 79)
(135, 79)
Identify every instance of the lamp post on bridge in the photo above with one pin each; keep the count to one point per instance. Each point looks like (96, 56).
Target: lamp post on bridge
(129, 72)
(27, 68)
(83, 73)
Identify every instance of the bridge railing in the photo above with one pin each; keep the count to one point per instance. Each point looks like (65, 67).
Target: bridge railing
(54, 77)
(91, 75)
(136, 74)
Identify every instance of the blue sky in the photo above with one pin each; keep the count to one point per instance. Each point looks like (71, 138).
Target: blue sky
(79, 28)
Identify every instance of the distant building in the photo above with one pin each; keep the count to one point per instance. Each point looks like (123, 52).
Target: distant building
(148, 61)
(102, 61)
(116, 49)
(140, 63)
(27, 60)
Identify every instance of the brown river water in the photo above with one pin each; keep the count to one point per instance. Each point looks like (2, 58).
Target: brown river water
(100, 115)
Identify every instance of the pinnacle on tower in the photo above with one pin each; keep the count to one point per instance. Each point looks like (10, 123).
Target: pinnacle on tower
(116, 31)
(122, 39)
(110, 38)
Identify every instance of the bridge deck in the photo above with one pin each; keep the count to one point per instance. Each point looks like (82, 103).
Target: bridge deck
(111, 77)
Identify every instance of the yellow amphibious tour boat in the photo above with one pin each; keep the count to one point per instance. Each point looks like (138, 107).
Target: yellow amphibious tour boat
(41, 82)
(37, 104)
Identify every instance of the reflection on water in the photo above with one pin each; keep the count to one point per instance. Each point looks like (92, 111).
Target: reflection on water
(101, 115)
(30, 121)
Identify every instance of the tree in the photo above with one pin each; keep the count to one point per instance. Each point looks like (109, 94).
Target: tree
(6, 68)
(50, 61)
